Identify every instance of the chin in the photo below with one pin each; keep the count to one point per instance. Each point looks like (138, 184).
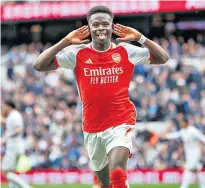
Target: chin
(101, 42)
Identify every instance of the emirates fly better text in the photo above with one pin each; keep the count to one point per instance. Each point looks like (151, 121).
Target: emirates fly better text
(103, 75)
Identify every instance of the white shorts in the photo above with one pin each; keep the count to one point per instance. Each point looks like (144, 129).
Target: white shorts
(99, 144)
(193, 165)
(10, 159)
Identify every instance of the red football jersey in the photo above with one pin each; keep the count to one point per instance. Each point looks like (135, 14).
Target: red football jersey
(103, 80)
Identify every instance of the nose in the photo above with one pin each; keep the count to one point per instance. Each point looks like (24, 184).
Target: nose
(101, 27)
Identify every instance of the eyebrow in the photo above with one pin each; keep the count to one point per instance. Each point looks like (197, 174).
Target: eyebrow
(95, 21)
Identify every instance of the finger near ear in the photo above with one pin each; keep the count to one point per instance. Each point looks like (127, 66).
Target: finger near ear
(121, 39)
(117, 30)
(85, 33)
(118, 26)
(83, 28)
(85, 41)
(121, 26)
(118, 33)
(118, 39)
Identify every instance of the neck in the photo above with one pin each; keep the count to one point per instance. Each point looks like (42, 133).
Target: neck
(8, 112)
(101, 47)
(11, 110)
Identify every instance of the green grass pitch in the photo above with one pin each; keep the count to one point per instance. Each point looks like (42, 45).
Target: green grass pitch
(89, 186)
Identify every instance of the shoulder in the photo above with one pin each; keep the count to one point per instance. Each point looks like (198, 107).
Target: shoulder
(74, 48)
(15, 115)
(136, 54)
(129, 46)
(132, 49)
(125, 45)
(194, 129)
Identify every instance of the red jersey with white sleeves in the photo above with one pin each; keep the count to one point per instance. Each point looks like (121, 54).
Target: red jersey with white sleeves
(103, 80)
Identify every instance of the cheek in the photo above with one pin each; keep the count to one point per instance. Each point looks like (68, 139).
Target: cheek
(93, 33)
(110, 32)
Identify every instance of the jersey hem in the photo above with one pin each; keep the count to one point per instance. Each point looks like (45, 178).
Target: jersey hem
(107, 127)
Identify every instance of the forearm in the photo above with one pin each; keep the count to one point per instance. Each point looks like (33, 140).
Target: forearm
(45, 60)
(159, 55)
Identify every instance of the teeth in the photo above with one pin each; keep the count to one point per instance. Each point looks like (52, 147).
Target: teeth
(102, 36)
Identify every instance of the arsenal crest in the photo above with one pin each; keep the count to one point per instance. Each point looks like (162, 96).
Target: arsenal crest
(116, 57)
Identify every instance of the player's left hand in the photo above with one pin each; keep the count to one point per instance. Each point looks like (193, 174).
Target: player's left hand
(126, 33)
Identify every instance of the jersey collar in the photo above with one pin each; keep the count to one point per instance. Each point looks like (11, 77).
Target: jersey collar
(112, 45)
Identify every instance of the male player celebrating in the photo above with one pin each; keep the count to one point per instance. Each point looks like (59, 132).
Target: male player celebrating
(103, 72)
(14, 144)
(191, 137)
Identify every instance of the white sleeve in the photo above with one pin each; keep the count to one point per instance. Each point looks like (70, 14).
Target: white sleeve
(137, 55)
(67, 57)
(199, 135)
(173, 135)
(17, 121)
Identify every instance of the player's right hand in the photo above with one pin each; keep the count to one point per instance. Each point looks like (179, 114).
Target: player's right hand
(77, 36)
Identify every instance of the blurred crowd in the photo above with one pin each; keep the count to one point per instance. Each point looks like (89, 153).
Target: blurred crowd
(23, 1)
(52, 109)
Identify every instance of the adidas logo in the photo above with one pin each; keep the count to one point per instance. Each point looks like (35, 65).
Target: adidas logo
(89, 61)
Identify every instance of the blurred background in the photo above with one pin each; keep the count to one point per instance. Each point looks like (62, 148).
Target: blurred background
(50, 103)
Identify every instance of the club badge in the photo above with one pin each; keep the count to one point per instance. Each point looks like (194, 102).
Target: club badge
(116, 57)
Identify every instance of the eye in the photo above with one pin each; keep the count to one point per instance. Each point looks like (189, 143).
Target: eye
(106, 24)
(95, 24)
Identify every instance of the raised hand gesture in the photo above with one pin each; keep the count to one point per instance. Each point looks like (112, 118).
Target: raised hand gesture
(77, 36)
(126, 33)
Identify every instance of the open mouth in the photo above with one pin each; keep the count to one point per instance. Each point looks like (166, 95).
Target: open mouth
(102, 36)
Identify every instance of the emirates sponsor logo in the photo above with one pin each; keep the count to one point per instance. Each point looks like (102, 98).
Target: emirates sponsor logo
(116, 57)
(103, 75)
(103, 71)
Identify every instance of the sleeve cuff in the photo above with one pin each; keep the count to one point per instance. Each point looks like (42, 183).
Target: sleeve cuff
(148, 61)
(150, 57)
(56, 62)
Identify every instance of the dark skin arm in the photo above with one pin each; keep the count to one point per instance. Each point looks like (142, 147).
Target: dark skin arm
(159, 55)
(45, 61)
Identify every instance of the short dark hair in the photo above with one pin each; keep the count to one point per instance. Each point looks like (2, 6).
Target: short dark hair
(99, 9)
(10, 103)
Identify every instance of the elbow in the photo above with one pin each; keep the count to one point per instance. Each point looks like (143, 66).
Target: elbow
(36, 66)
(160, 59)
(164, 58)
